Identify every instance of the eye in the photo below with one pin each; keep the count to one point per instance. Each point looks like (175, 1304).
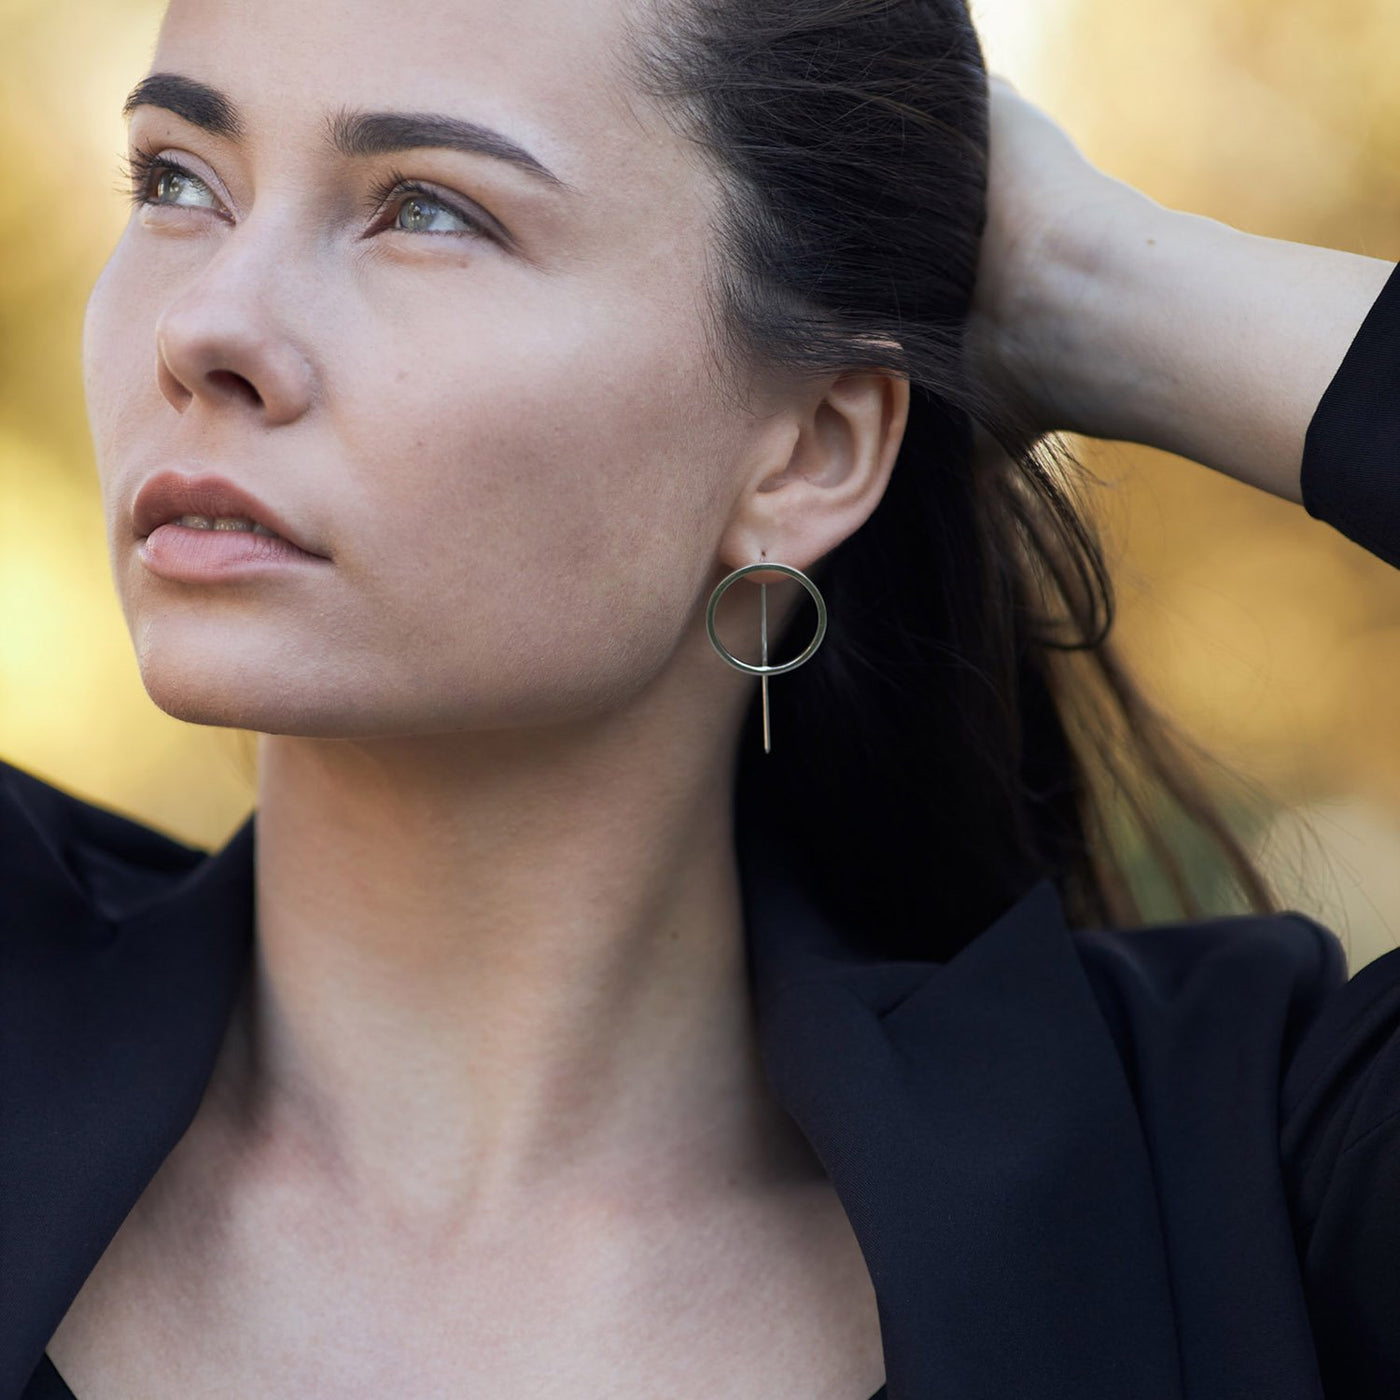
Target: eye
(162, 181)
(421, 209)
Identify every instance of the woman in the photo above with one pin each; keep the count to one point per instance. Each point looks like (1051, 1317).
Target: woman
(576, 1017)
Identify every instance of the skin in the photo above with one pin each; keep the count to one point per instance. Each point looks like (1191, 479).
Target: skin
(493, 1093)
(1113, 316)
(495, 1075)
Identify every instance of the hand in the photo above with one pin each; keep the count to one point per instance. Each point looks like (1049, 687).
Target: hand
(1052, 218)
(1099, 311)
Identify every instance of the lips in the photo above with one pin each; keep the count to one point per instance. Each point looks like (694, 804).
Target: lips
(168, 495)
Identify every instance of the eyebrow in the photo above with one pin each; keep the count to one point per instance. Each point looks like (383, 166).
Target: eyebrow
(352, 133)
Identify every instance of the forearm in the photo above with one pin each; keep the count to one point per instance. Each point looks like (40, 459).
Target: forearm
(1194, 337)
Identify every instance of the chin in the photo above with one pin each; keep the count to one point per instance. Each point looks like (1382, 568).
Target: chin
(229, 692)
(210, 677)
(202, 696)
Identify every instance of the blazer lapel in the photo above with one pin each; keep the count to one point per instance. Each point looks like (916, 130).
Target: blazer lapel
(115, 993)
(973, 1115)
(976, 1121)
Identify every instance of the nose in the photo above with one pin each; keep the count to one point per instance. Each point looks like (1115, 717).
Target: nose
(220, 343)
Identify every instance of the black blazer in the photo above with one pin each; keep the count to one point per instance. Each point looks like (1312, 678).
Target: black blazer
(1145, 1164)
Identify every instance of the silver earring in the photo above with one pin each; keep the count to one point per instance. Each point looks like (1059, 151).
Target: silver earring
(765, 670)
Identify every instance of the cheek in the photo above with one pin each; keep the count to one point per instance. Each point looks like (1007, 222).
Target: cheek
(119, 383)
(560, 476)
(523, 494)
(100, 366)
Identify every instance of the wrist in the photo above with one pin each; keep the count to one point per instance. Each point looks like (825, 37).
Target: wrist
(1078, 337)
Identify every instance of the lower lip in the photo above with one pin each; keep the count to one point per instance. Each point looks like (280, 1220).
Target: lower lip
(191, 555)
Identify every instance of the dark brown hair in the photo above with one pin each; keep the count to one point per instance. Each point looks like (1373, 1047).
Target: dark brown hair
(966, 727)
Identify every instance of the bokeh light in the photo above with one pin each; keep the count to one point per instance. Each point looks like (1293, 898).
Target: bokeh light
(1264, 633)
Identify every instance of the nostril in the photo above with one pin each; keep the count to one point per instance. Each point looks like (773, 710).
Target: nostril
(234, 384)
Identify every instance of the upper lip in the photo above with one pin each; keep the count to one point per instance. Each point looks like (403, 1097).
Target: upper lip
(168, 495)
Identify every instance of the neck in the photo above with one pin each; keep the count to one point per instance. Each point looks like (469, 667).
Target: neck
(502, 971)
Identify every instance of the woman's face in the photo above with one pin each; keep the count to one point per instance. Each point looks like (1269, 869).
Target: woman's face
(488, 400)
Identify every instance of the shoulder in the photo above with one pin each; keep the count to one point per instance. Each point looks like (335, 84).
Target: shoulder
(1278, 980)
(64, 857)
(1230, 977)
(1340, 1144)
(1253, 1021)
(1340, 1106)
(1267, 1000)
(1270, 997)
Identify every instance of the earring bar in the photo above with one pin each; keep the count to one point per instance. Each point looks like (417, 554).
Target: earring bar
(763, 633)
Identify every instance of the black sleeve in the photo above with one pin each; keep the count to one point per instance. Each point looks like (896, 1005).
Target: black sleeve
(1340, 1101)
(1351, 455)
(1340, 1149)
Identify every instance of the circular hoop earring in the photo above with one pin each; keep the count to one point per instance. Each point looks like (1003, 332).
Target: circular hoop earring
(765, 670)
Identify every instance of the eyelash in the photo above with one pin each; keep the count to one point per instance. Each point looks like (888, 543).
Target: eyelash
(141, 165)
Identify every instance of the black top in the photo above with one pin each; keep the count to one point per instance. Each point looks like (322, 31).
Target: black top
(1081, 1164)
(46, 1383)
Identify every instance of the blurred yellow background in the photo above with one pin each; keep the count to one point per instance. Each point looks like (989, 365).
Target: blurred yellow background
(1264, 633)
(1267, 635)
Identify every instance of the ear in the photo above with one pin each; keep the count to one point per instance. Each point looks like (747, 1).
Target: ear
(824, 472)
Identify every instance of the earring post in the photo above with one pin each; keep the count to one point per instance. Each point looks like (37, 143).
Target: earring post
(763, 634)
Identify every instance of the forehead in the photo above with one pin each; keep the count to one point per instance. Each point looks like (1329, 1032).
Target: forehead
(546, 72)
